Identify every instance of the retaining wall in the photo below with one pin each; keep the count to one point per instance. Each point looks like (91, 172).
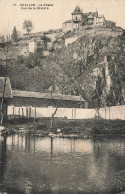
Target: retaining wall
(114, 112)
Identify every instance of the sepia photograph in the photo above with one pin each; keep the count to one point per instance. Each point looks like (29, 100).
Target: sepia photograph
(62, 96)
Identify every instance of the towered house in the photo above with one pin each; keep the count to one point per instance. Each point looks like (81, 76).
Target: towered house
(80, 19)
(39, 99)
(5, 94)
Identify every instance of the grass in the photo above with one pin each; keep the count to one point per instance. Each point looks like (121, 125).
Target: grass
(89, 126)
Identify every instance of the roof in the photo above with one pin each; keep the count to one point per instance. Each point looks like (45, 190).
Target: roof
(108, 21)
(45, 38)
(8, 91)
(68, 21)
(29, 94)
(94, 14)
(85, 14)
(77, 11)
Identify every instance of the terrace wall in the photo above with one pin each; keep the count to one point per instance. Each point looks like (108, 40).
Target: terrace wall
(114, 112)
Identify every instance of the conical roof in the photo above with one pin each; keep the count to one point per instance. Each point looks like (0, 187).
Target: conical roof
(77, 10)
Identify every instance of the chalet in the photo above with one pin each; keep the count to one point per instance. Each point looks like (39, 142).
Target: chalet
(5, 93)
(39, 99)
(80, 19)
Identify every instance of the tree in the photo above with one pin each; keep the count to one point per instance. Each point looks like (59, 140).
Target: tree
(33, 60)
(14, 35)
(6, 54)
(27, 25)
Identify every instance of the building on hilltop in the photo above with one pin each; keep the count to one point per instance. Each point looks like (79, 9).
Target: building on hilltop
(39, 43)
(80, 19)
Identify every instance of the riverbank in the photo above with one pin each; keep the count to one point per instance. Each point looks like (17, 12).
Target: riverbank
(81, 128)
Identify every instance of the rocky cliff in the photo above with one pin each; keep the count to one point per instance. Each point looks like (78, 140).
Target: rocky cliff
(92, 65)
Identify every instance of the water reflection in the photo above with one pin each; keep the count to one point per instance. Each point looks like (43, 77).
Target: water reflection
(30, 164)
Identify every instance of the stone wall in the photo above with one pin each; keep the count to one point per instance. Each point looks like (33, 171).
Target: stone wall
(114, 112)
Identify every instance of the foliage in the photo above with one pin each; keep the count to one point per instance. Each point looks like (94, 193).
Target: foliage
(20, 59)
(14, 35)
(6, 54)
(27, 25)
(34, 59)
(77, 73)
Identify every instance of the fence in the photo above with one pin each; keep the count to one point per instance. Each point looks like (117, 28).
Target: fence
(114, 112)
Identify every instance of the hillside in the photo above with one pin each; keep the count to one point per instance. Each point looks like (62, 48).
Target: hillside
(93, 66)
(103, 53)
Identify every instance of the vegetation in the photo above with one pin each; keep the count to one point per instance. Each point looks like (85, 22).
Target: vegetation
(15, 36)
(27, 25)
(6, 54)
(86, 126)
(72, 68)
(33, 59)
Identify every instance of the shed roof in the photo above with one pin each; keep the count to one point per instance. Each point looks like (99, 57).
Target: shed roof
(68, 21)
(29, 94)
(8, 91)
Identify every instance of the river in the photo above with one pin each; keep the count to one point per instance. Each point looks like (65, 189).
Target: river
(30, 164)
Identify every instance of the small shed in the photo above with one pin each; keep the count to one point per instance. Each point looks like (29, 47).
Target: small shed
(39, 99)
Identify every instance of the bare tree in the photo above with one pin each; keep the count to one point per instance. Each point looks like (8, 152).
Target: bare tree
(27, 25)
(6, 53)
(55, 111)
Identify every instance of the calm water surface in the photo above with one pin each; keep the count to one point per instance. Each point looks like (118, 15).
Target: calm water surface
(30, 164)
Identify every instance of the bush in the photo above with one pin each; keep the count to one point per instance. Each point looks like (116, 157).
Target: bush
(20, 59)
(34, 59)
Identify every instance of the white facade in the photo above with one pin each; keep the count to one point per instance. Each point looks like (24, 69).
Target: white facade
(66, 27)
(32, 46)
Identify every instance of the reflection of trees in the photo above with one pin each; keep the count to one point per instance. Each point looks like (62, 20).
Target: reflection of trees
(3, 159)
(51, 148)
(28, 142)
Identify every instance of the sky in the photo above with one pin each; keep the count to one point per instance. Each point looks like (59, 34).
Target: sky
(12, 15)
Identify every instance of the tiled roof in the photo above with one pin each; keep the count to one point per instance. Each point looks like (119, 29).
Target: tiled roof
(85, 14)
(68, 21)
(8, 91)
(94, 14)
(29, 94)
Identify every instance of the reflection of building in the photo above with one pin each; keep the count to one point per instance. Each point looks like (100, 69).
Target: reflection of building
(80, 19)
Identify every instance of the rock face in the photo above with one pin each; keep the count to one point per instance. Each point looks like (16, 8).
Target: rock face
(94, 66)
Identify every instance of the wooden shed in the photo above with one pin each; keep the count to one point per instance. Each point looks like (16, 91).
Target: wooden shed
(39, 99)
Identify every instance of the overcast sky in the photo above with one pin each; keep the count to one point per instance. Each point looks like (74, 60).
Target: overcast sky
(53, 18)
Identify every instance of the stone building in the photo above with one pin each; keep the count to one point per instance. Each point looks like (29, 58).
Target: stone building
(80, 19)
(40, 43)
